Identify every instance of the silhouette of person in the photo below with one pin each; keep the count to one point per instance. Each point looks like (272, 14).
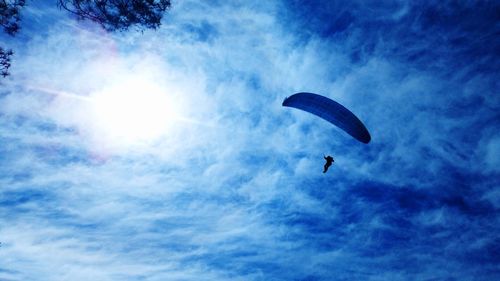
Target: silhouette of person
(329, 162)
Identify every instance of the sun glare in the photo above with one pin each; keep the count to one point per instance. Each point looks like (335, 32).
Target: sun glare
(132, 111)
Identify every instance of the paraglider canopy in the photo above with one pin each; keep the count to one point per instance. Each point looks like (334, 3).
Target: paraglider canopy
(331, 111)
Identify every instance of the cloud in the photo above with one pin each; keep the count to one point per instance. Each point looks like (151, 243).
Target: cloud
(235, 190)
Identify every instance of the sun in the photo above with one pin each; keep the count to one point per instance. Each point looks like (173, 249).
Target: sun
(132, 111)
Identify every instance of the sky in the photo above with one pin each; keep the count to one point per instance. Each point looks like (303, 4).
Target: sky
(166, 154)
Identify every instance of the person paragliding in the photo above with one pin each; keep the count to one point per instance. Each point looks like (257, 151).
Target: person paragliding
(332, 112)
(329, 162)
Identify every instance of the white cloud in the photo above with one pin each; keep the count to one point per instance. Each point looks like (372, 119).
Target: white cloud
(235, 189)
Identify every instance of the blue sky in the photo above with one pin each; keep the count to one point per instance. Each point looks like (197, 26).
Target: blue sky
(166, 155)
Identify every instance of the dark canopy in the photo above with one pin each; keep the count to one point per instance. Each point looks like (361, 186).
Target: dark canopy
(331, 111)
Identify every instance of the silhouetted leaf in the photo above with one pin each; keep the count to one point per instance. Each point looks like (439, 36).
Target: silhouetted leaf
(119, 14)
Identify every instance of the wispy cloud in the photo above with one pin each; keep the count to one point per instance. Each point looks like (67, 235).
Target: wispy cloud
(234, 190)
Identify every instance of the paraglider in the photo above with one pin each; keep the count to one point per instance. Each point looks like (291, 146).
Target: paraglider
(329, 162)
(331, 111)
